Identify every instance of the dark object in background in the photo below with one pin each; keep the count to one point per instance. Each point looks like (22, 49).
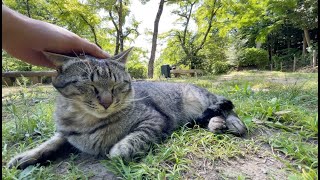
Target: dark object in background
(165, 71)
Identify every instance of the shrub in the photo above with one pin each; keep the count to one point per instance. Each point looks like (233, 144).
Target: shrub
(138, 71)
(253, 57)
(220, 67)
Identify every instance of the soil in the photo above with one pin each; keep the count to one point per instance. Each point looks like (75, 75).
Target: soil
(88, 164)
(267, 77)
(258, 166)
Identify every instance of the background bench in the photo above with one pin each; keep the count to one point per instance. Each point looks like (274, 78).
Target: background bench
(192, 72)
(9, 78)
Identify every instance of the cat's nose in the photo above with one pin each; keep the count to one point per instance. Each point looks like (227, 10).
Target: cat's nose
(105, 99)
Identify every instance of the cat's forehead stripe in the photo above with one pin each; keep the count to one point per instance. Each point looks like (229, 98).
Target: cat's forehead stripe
(67, 64)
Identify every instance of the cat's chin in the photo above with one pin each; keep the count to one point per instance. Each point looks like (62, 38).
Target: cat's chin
(97, 113)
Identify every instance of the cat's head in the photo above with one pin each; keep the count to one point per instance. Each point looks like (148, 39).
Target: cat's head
(99, 86)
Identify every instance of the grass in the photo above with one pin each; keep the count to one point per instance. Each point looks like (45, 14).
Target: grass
(284, 104)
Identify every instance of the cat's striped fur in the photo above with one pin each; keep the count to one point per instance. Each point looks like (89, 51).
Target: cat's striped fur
(101, 112)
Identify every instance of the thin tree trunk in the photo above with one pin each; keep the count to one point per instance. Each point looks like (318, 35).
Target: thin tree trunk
(314, 58)
(306, 34)
(116, 51)
(307, 37)
(92, 30)
(294, 63)
(120, 26)
(304, 47)
(270, 56)
(154, 40)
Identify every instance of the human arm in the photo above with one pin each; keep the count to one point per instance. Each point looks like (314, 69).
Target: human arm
(26, 39)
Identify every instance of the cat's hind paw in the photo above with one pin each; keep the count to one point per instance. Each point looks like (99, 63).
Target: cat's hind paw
(217, 125)
(235, 125)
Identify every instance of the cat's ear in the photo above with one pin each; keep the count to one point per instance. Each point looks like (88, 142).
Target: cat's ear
(57, 59)
(123, 56)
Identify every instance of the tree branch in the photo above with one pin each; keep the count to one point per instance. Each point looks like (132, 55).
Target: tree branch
(92, 30)
(213, 13)
(113, 21)
(187, 24)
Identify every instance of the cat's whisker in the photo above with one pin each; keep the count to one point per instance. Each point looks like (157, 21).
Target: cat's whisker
(83, 70)
(83, 51)
(134, 100)
(89, 67)
(82, 60)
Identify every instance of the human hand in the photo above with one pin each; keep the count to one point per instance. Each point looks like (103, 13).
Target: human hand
(26, 39)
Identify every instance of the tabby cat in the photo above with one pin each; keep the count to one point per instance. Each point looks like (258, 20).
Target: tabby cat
(100, 111)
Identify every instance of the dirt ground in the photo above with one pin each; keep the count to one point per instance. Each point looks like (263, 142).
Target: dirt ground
(88, 164)
(266, 77)
(259, 166)
(256, 167)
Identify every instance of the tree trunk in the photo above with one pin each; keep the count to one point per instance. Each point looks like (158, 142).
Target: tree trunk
(304, 47)
(92, 30)
(269, 51)
(307, 37)
(154, 40)
(270, 55)
(294, 63)
(120, 25)
(314, 58)
(306, 34)
(116, 51)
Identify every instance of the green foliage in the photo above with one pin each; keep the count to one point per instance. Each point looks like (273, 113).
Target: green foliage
(136, 66)
(138, 71)
(253, 57)
(12, 64)
(220, 67)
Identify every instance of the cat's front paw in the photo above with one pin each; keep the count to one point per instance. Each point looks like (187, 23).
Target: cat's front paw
(120, 150)
(24, 160)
